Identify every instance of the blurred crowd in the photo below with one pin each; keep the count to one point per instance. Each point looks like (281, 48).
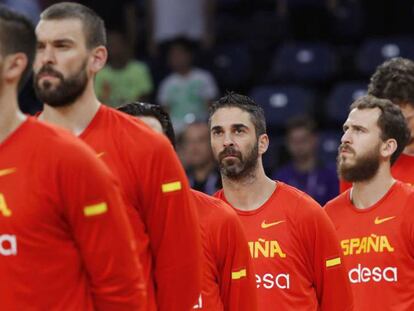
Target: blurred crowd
(304, 61)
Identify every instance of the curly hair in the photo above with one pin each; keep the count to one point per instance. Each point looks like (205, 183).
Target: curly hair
(394, 80)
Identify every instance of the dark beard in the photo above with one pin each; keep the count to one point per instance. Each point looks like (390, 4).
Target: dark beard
(65, 93)
(238, 171)
(364, 168)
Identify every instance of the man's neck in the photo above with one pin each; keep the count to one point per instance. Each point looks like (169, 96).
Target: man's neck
(185, 71)
(367, 193)
(76, 116)
(249, 193)
(10, 115)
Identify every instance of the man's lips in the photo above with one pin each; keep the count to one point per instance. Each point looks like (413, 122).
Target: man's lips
(230, 156)
(47, 76)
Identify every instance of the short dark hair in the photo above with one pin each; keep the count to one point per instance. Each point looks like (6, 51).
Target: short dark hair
(394, 80)
(139, 109)
(391, 121)
(245, 103)
(17, 35)
(303, 121)
(93, 26)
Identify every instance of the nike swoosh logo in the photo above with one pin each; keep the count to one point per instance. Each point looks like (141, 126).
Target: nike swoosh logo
(271, 224)
(100, 155)
(7, 171)
(379, 221)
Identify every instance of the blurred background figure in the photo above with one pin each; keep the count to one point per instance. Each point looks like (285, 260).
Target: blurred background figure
(197, 157)
(192, 19)
(304, 170)
(124, 79)
(186, 92)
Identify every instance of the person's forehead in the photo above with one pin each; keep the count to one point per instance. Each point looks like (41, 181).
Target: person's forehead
(299, 132)
(228, 116)
(364, 117)
(68, 28)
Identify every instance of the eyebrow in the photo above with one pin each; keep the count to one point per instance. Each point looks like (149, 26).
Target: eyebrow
(239, 126)
(234, 126)
(59, 41)
(215, 128)
(66, 40)
(354, 126)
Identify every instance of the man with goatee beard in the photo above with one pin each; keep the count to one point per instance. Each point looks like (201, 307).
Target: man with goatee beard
(70, 51)
(375, 218)
(295, 250)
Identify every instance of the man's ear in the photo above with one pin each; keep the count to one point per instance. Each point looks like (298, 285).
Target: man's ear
(263, 143)
(98, 58)
(388, 147)
(13, 67)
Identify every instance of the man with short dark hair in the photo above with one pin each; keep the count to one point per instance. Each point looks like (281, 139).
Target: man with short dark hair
(293, 244)
(65, 240)
(394, 80)
(70, 51)
(228, 279)
(375, 218)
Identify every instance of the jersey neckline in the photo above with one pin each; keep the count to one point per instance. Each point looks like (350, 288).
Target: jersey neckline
(390, 191)
(91, 124)
(269, 201)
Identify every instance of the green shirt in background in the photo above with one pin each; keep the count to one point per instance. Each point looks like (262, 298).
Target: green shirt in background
(119, 86)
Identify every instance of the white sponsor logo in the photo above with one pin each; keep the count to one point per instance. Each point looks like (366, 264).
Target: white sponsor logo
(270, 281)
(8, 245)
(363, 274)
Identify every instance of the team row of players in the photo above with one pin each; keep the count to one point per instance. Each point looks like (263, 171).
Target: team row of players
(116, 227)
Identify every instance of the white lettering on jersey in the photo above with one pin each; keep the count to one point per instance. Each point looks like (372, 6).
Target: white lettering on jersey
(364, 275)
(269, 281)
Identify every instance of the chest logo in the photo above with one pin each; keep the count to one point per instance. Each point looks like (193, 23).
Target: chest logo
(100, 154)
(265, 225)
(379, 221)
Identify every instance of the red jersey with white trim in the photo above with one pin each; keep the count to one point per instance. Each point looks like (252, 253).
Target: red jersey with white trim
(158, 204)
(378, 247)
(65, 240)
(228, 280)
(403, 170)
(295, 253)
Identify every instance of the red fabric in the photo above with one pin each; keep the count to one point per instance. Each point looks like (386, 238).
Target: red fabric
(226, 256)
(53, 256)
(291, 239)
(403, 170)
(378, 248)
(167, 223)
